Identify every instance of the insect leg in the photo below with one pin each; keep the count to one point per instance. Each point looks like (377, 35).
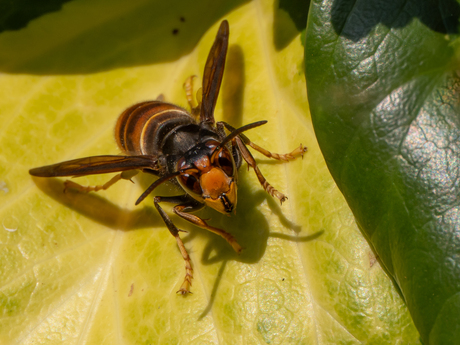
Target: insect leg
(182, 211)
(194, 107)
(188, 204)
(247, 156)
(125, 175)
(299, 151)
(185, 287)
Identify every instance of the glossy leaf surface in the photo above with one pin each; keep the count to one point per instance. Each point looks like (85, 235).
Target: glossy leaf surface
(383, 86)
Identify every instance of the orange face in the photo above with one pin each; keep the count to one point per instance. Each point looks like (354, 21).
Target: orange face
(214, 184)
(219, 190)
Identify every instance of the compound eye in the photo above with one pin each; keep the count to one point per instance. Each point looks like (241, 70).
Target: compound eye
(225, 162)
(191, 182)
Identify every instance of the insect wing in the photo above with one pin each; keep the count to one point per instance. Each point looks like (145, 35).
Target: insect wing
(213, 72)
(96, 165)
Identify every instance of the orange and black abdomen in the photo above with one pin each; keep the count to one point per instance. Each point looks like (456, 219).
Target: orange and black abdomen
(142, 128)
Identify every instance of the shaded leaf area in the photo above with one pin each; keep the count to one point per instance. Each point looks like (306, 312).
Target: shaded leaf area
(355, 20)
(384, 95)
(117, 33)
(294, 13)
(15, 15)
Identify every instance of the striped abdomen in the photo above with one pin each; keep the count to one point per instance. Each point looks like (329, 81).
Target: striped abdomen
(141, 128)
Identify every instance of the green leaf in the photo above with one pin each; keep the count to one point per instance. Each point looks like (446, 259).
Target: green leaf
(384, 92)
(95, 269)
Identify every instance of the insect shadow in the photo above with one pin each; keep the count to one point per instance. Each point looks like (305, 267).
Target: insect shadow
(232, 91)
(250, 227)
(98, 208)
(252, 230)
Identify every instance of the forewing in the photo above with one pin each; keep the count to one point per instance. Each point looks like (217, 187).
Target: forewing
(213, 72)
(96, 165)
